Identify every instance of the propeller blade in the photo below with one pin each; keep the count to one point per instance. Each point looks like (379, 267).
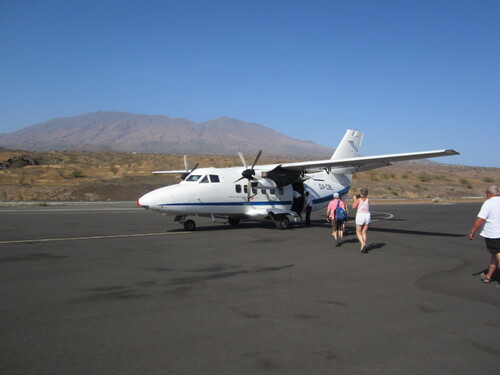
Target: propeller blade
(249, 173)
(249, 190)
(186, 165)
(242, 158)
(256, 158)
(195, 166)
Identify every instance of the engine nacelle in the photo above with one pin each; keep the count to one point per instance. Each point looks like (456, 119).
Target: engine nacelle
(281, 177)
(264, 183)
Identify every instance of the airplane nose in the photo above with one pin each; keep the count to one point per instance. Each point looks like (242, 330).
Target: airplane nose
(140, 204)
(156, 200)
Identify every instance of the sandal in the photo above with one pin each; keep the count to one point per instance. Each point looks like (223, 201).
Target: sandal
(486, 280)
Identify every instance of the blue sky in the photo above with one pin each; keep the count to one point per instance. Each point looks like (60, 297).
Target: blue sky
(413, 75)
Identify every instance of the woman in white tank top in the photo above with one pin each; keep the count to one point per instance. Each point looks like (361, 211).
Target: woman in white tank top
(362, 216)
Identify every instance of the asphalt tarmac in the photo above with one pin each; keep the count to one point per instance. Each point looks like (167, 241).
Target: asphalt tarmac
(113, 289)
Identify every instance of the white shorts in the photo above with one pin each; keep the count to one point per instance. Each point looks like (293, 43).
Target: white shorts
(363, 218)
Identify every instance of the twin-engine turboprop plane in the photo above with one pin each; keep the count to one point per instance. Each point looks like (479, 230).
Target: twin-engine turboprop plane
(268, 192)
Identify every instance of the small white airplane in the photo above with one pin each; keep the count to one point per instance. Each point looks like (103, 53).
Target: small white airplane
(270, 191)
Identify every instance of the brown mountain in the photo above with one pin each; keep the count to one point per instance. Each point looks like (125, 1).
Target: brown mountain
(119, 131)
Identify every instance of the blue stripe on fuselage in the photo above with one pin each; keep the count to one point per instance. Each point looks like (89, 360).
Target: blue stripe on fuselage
(330, 197)
(267, 203)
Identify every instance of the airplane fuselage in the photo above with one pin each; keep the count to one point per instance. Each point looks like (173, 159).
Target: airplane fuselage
(213, 191)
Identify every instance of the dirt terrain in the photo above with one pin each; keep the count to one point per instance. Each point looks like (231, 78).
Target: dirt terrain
(113, 176)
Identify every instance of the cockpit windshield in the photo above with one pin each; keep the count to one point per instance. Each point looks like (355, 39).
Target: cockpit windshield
(203, 178)
(193, 177)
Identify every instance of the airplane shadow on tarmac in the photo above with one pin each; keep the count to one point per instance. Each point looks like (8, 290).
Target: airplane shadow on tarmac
(269, 225)
(220, 225)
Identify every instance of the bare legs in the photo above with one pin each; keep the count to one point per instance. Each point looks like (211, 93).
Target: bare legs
(493, 266)
(361, 233)
(337, 232)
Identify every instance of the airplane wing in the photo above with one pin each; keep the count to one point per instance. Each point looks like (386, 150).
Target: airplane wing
(170, 172)
(365, 162)
(184, 173)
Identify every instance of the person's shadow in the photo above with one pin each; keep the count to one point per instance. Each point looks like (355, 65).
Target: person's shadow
(369, 247)
(374, 246)
(494, 278)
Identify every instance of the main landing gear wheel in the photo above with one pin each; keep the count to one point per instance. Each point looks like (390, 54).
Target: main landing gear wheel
(189, 225)
(282, 222)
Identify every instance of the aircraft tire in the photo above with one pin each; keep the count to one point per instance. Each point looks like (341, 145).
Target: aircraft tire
(282, 222)
(189, 225)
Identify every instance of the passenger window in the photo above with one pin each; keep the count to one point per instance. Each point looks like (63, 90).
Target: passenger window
(281, 191)
(204, 180)
(254, 191)
(238, 188)
(245, 188)
(214, 178)
(272, 191)
(263, 191)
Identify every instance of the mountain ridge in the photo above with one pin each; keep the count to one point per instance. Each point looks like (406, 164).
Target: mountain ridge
(128, 132)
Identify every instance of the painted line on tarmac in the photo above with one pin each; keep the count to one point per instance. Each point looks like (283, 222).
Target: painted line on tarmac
(94, 237)
(389, 215)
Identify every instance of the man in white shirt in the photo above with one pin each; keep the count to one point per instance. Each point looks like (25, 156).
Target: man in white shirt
(489, 217)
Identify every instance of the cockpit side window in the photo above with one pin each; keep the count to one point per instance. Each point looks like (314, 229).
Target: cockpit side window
(214, 178)
(204, 180)
(193, 178)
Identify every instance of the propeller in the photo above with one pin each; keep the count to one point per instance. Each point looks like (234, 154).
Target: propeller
(186, 166)
(249, 173)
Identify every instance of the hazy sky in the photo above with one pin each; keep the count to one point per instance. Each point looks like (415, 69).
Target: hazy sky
(413, 75)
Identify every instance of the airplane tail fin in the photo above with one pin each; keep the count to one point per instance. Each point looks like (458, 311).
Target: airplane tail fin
(349, 145)
(347, 148)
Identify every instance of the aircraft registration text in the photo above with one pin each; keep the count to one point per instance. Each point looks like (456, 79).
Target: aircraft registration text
(325, 187)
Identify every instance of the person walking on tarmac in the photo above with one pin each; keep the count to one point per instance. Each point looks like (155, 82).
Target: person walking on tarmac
(331, 216)
(489, 218)
(363, 216)
(309, 203)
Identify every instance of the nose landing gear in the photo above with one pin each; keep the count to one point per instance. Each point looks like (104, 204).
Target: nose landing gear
(189, 224)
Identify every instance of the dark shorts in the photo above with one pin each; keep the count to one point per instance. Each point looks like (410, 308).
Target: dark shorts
(337, 224)
(493, 245)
